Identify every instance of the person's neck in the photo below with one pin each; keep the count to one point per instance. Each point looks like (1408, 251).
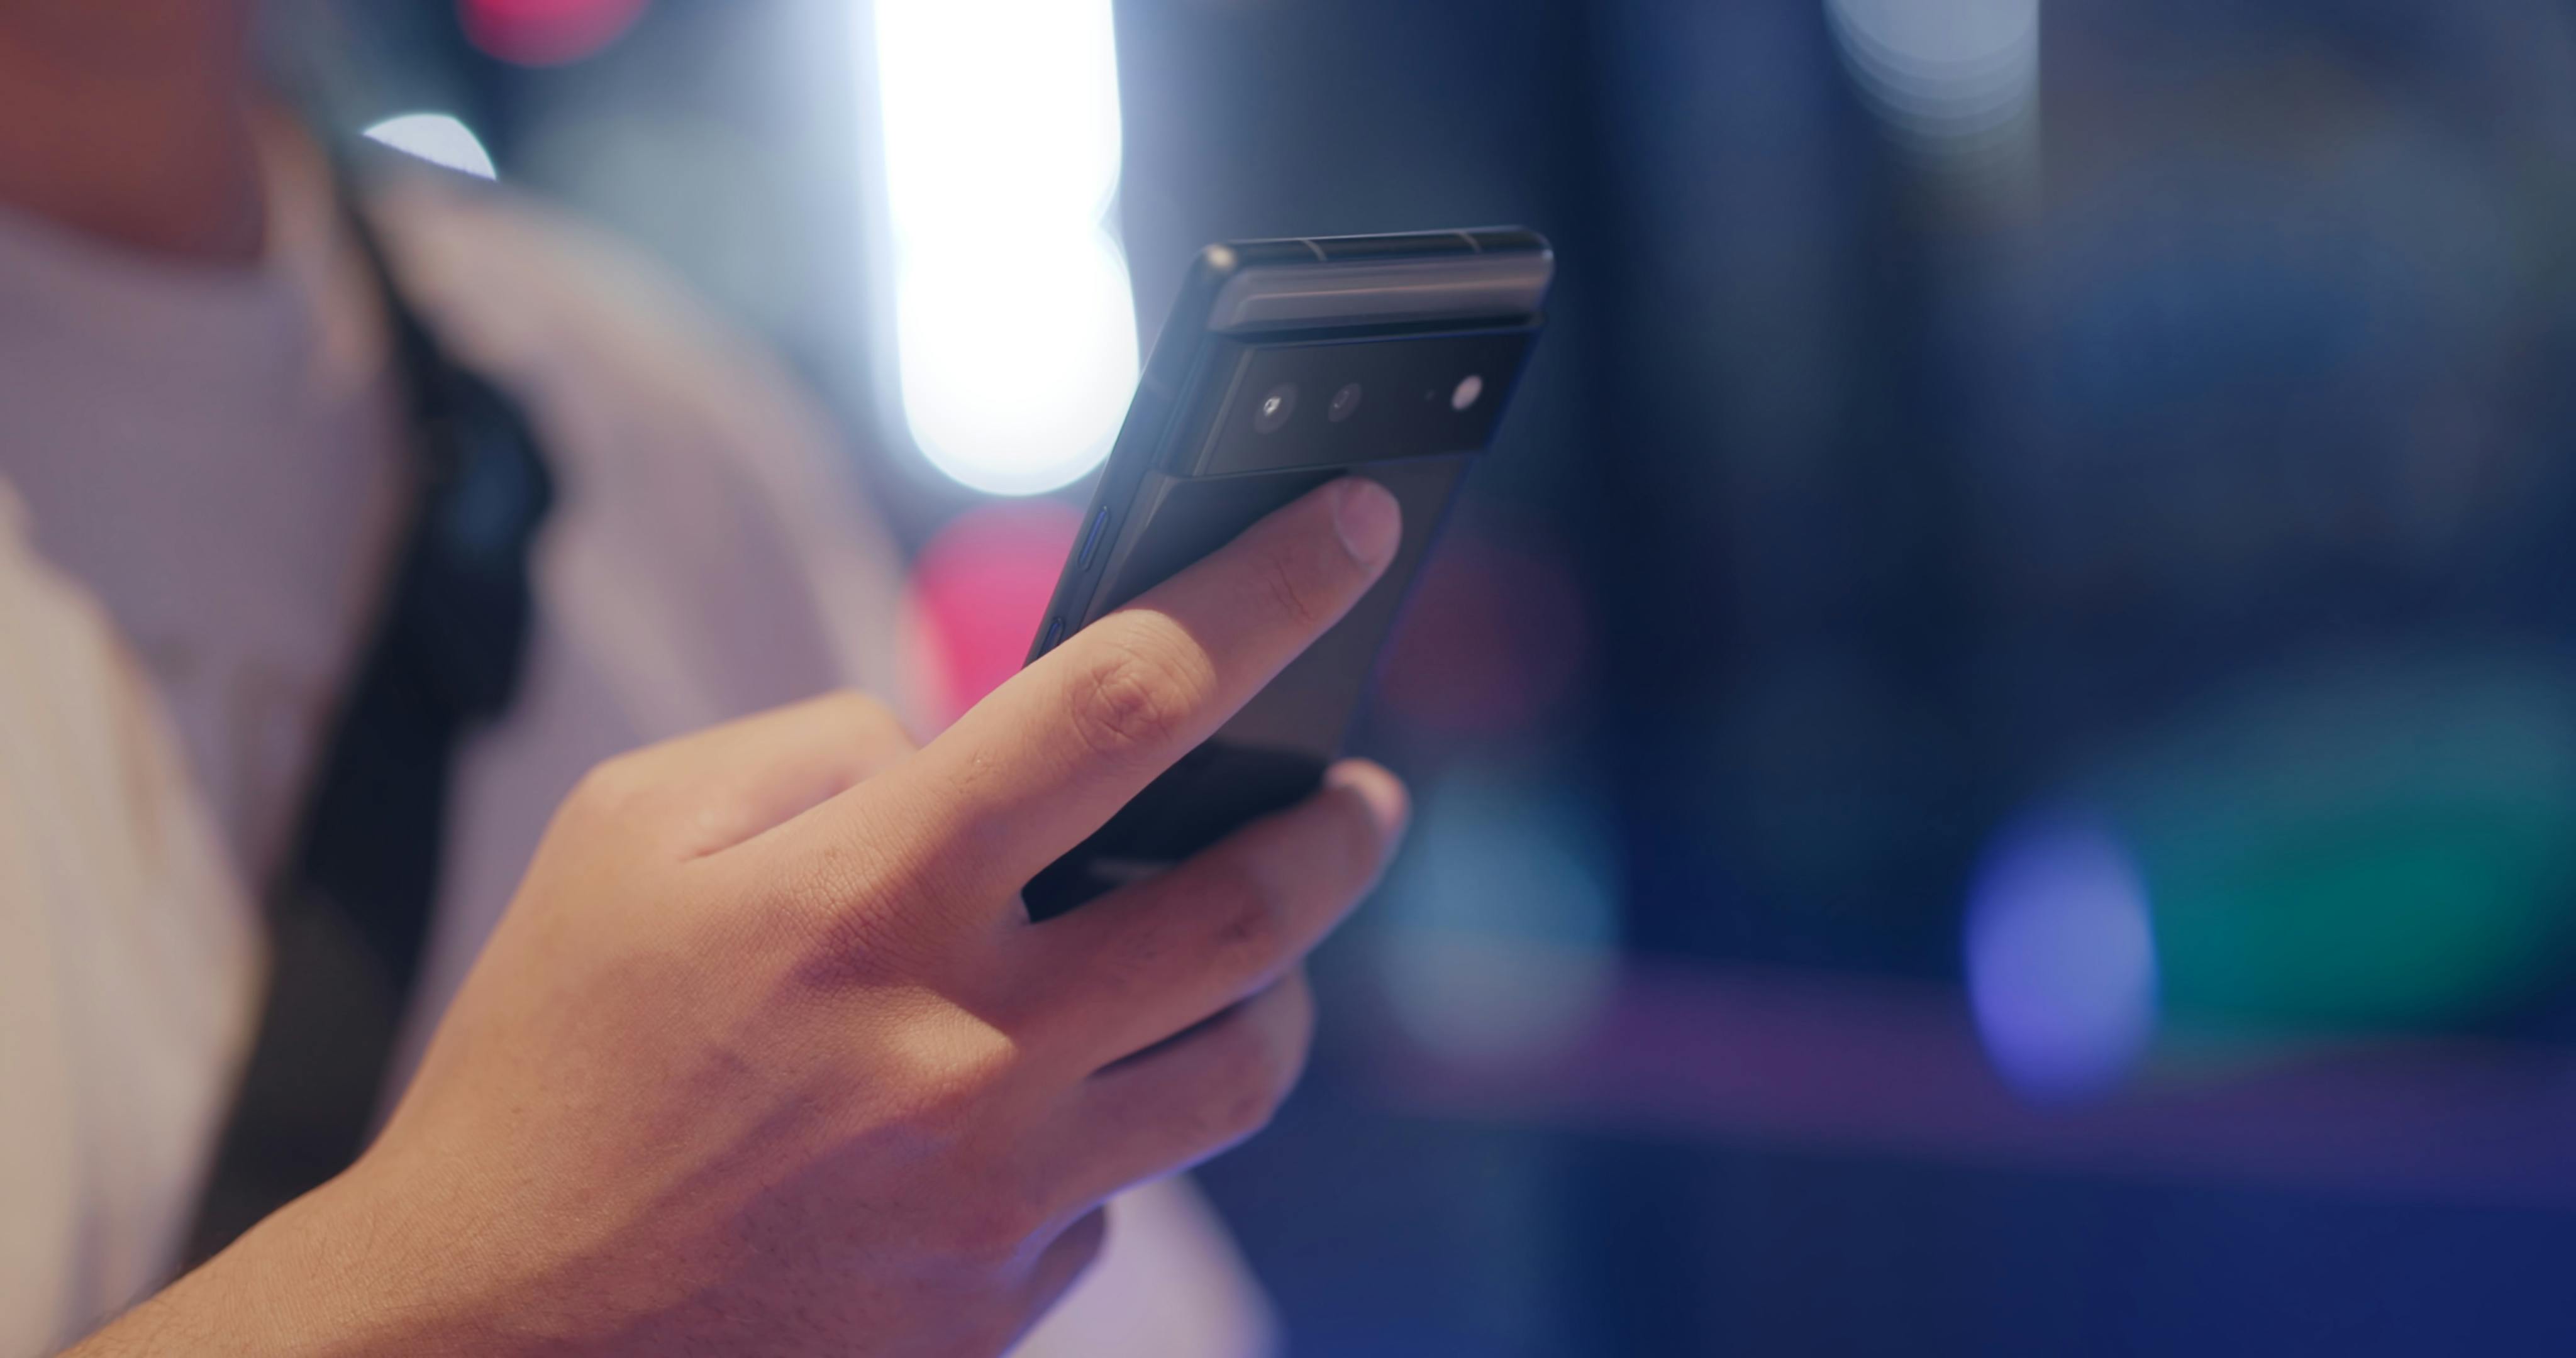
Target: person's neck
(131, 121)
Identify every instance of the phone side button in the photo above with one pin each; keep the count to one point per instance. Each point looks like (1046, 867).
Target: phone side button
(1091, 540)
(1054, 634)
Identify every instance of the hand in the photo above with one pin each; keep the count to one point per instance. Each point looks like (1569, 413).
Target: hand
(767, 1057)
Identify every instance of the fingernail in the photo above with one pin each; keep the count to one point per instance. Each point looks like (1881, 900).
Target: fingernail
(1368, 520)
(1382, 791)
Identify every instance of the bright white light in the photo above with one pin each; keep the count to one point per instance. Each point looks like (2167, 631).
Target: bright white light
(1948, 74)
(2061, 957)
(438, 139)
(1014, 329)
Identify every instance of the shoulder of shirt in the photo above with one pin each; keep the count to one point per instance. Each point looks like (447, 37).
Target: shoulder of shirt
(529, 294)
(666, 410)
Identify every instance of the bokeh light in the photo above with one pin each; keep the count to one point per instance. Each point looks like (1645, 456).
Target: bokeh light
(2380, 842)
(1014, 330)
(1948, 75)
(545, 32)
(438, 138)
(1501, 921)
(2061, 957)
(1493, 640)
(975, 597)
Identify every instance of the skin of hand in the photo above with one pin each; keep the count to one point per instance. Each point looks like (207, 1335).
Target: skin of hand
(767, 1057)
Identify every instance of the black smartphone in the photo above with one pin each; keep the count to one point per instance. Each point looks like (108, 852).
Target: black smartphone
(1287, 364)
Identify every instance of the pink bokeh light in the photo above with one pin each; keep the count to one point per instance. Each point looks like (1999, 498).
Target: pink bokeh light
(976, 595)
(545, 32)
(1495, 638)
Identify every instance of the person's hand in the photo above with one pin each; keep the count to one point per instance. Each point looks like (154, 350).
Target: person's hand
(768, 1058)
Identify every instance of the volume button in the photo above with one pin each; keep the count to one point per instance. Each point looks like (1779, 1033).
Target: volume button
(1091, 541)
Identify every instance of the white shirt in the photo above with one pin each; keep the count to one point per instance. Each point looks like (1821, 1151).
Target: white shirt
(213, 456)
(211, 452)
(129, 965)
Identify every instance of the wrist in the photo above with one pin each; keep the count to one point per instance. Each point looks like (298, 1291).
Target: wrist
(333, 1274)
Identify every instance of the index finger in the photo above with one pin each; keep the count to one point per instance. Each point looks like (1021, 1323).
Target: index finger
(1051, 755)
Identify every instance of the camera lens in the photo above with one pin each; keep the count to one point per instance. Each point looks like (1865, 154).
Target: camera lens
(1346, 403)
(1469, 388)
(1272, 414)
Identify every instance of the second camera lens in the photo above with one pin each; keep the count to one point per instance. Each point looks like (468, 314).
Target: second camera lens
(1346, 403)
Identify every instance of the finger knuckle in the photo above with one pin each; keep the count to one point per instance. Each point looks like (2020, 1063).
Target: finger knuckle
(954, 1078)
(993, 1231)
(1259, 1087)
(611, 790)
(1083, 1241)
(1249, 917)
(1019, 1011)
(1129, 700)
(1292, 589)
(998, 1224)
(846, 916)
(1250, 1114)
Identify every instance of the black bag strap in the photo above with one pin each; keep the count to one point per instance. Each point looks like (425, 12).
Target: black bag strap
(350, 911)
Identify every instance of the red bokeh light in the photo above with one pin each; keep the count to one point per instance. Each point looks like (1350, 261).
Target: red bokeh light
(977, 594)
(1494, 638)
(545, 32)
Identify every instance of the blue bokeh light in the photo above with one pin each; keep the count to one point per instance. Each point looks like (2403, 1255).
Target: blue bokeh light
(2061, 958)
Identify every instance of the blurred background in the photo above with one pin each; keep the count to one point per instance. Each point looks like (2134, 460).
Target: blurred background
(1996, 742)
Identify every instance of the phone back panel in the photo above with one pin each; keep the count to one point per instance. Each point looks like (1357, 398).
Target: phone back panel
(1207, 453)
